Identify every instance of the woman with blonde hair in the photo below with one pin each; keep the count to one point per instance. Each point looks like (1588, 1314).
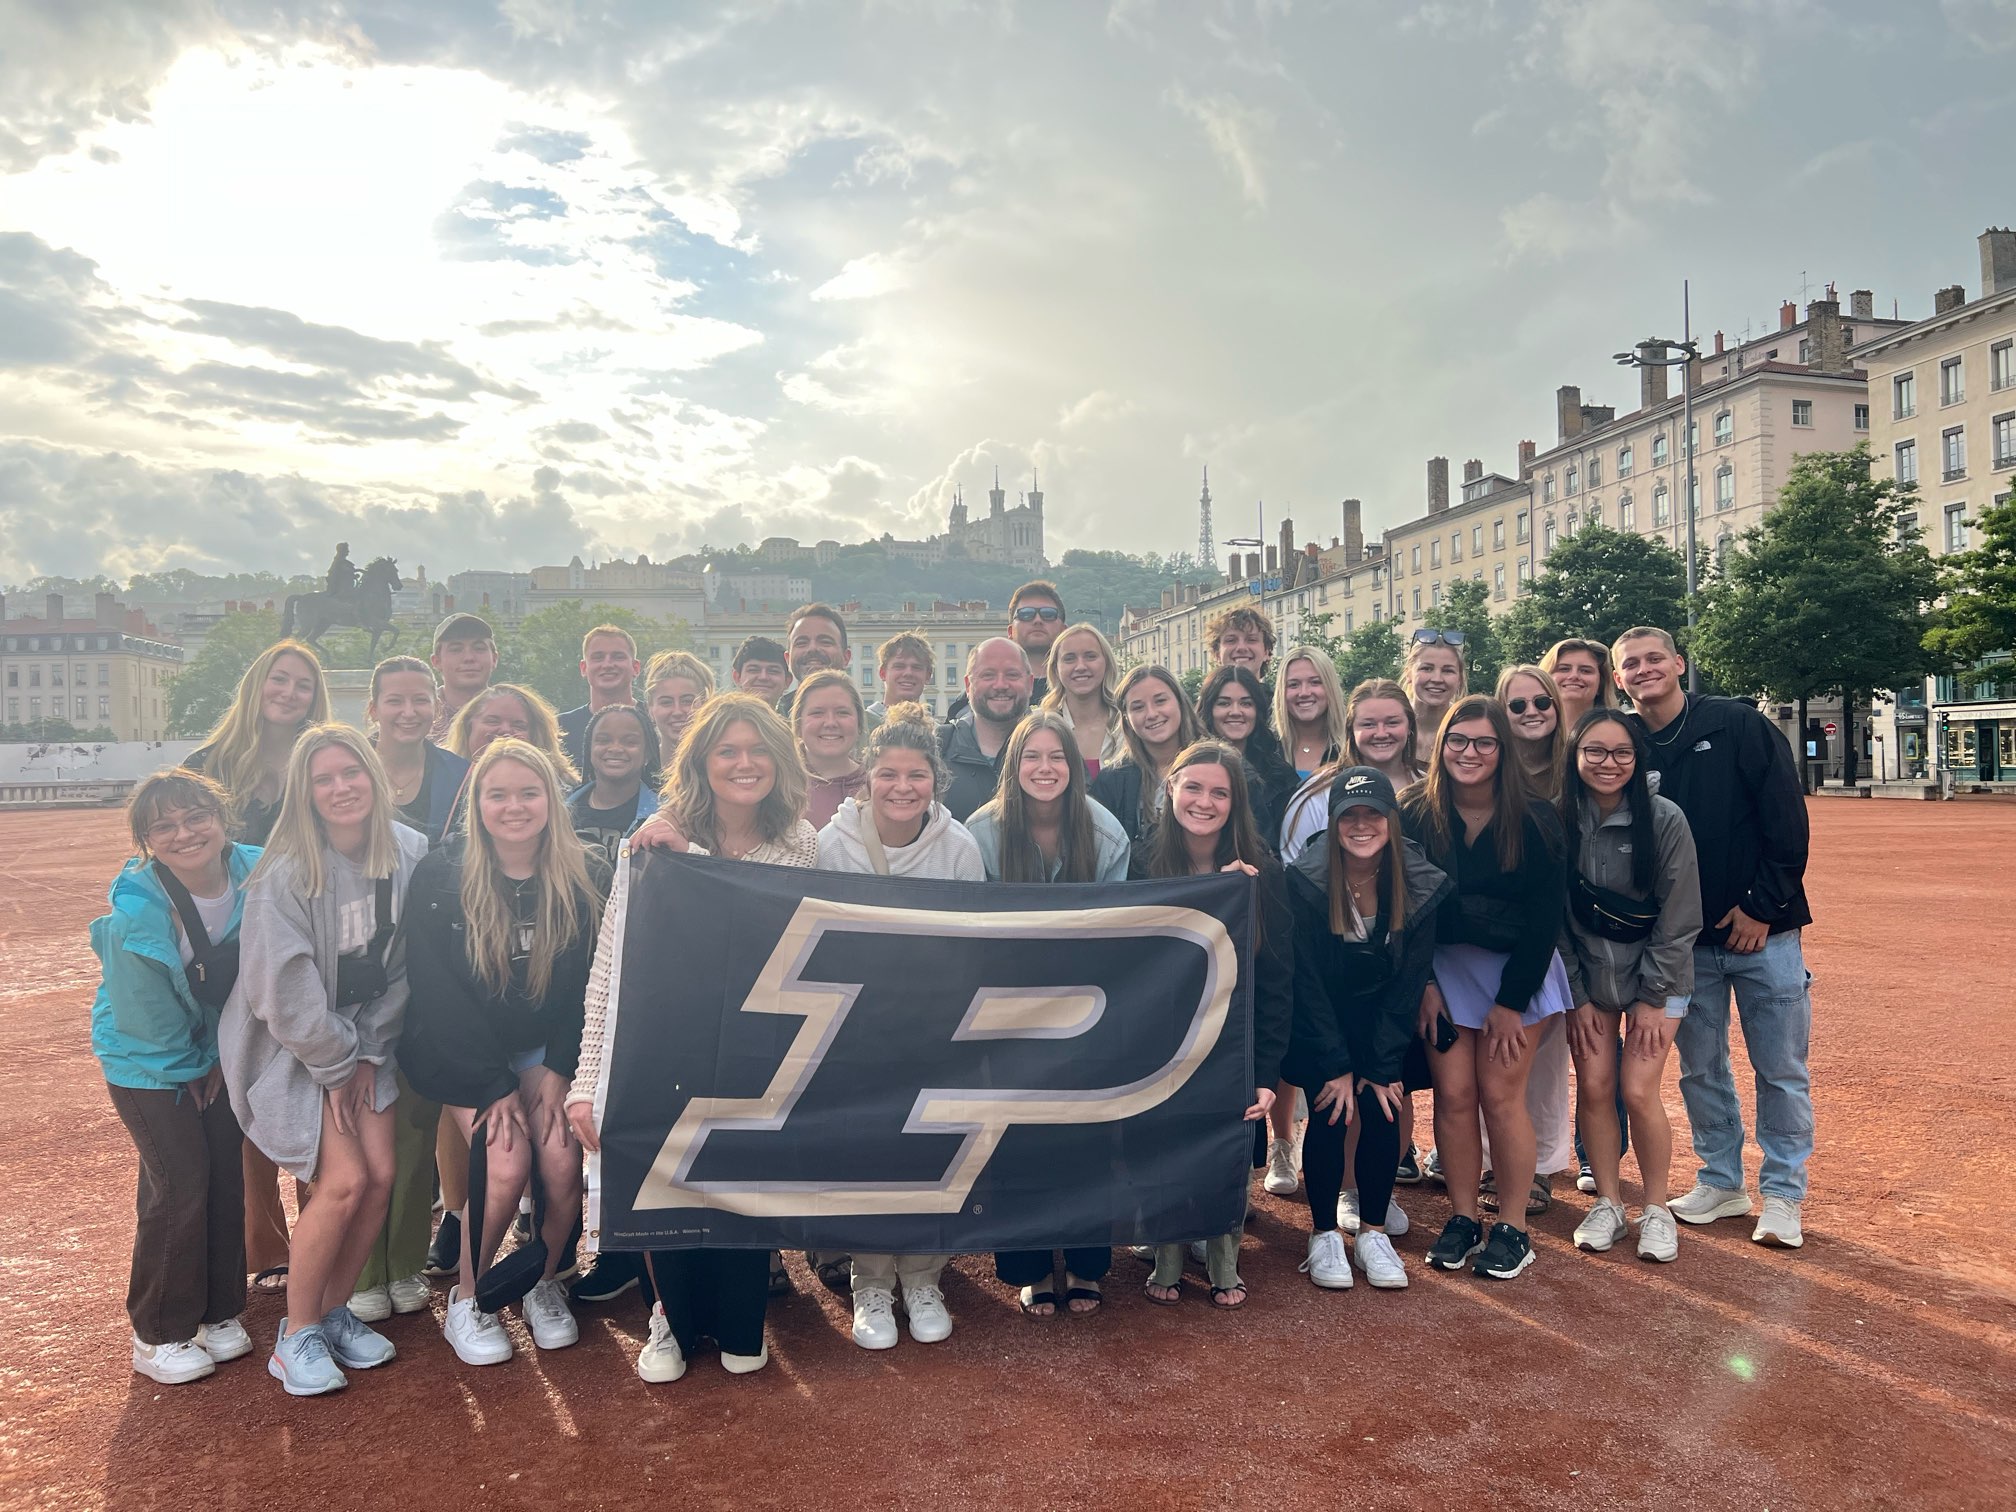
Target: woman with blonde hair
(1084, 676)
(735, 790)
(827, 717)
(1581, 671)
(499, 952)
(511, 709)
(1156, 723)
(425, 778)
(1434, 674)
(1309, 711)
(1532, 703)
(1378, 733)
(676, 683)
(307, 1038)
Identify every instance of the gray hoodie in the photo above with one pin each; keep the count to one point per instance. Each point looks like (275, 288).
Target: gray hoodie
(1659, 969)
(282, 1040)
(944, 849)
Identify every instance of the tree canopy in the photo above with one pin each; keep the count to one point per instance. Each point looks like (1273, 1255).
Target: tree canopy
(1979, 619)
(544, 651)
(1372, 651)
(1596, 584)
(202, 690)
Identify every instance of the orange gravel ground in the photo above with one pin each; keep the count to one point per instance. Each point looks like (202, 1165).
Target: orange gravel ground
(1877, 1367)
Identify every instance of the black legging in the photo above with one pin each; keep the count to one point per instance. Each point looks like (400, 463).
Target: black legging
(1377, 1161)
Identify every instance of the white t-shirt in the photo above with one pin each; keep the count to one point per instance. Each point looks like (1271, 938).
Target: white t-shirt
(216, 916)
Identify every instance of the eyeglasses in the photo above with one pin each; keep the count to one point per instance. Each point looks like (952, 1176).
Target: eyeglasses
(1483, 745)
(1620, 756)
(1427, 637)
(196, 821)
(1539, 701)
(1044, 612)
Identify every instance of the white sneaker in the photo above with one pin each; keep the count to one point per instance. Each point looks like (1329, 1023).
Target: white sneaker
(476, 1336)
(373, 1305)
(410, 1294)
(661, 1359)
(736, 1364)
(1604, 1226)
(1376, 1257)
(875, 1318)
(1779, 1224)
(1396, 1220)
(1658, 1235)
(1707, 1203)
(546, 1314)
(930, 1319)
(1281, 1174)
(1328, 1266)
(1347, 1210)
(224, 1341)
(172, 1364)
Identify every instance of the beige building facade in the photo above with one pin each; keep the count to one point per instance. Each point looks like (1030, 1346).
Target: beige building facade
(112, 670)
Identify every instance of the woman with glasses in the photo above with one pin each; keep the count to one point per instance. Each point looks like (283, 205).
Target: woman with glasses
(1309, 711)
(1232, 708)
(1581, 671)
(1434, 675)
(167, 956)
(1634, 909)
(1533, 704)
(1084, 674)
(1157, 722)
(1496, 971)
(676, 683)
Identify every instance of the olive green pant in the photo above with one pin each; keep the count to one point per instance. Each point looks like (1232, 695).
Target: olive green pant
(401, 1250)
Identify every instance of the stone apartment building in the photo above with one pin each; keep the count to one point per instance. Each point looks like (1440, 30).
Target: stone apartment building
(1943, 391)
(111, 670)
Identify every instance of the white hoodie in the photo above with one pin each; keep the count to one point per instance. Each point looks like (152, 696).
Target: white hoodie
(943, 850)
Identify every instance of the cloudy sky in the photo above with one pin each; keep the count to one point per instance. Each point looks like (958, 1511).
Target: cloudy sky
(494, 282)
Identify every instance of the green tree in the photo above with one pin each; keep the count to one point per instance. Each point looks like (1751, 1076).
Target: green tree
(1193, 683)
(1314, 632)
(1828, 596)
(1979, 619)
(202, 690)
(1597, 584)
(544, 652)
(1467, 608)
(1372, 651)
(54, 732)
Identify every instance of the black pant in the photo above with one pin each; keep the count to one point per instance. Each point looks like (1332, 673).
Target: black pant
(1377, 1162)
(721, 1294)
(1035, 1267)
(189, 1241)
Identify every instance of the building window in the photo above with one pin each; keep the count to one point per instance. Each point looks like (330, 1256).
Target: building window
(1595, 472)
(80, 701)
(1435, 552)
(104, 674)
(1861, 417)
(1547, 489)
(1953, 453)
(1907, 461)
(104, 707)
(1722, 550)
(1547, 534)
(1573, 483)
(1725, 428)
(2002, 365)
(1476, 539)
(1435, 596)
(1525, 574)
(1906, 524)
(1694, 496)
(1498, 582)
(1595, 514)
(2002, 440)
(1627, 513)
(1904, 396)
(1694, 438)
(13, 711)
(1417, 602)
(1659, 451)
(1802, 412)
(1662, 513)
(1623, 461)
(1956, 527)
(1417, 558)
(1805, 351)
(1498, 535)
(34, 677)
(1525, 526)
(1952, 381)
(56, 676)
(1725, 488)
(13, 677)
(1574, 519)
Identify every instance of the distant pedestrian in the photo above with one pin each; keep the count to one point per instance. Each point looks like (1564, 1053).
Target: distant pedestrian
(609, 665)
(1435, 673)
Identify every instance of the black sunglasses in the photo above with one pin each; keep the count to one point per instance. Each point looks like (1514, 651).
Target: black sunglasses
(1045, 612)
(1540, 702)
(1426, 637)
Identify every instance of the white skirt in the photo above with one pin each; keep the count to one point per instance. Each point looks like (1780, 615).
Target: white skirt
(1469, 976)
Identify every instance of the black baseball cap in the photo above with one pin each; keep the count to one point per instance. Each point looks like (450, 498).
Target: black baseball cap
(1362, 787)
(463, 627)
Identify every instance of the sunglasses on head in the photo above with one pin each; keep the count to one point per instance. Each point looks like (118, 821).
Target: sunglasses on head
(1044, 612)
(1539, 701)
(1426, 637)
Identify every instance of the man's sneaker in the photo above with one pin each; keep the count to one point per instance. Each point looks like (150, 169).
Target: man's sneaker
(1380, 1261)
(1707, 1203)
(300, 1361)
(444, 1255)
(173, 1364)
(875, 1318)
(1281, 1175)
(1508, 1253)
(1396, 1220)
(661, 1359)
(1347, 1210)
(1328, 1266)
(1658, 1235)
(930, 1319)
(410, 1294)
(613, 1273)
(476, 1336)
(1409, 1173)
(736, 1364)
(373, 1304)
(546, 1314)
(355, 1345)
(1431, 1165)
(1604, 1226)
(1778, 1225)
(1585, 1180)
(1461, 1238)
(224, 1341)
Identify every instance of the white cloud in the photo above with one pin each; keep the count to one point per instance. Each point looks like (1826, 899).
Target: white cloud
(865, 277)
(1235, 132)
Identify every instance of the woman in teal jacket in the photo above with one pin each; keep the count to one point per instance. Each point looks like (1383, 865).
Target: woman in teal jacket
(168, 956)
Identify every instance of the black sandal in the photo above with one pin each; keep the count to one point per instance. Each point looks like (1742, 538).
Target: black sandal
(1083, 1291)
(836, 1274)
(272, 1280)
(1175, 1288)
(1030, 1298)
(1226, 1291)
(780, 1278)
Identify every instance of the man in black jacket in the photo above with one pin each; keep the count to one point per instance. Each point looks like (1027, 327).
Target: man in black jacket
(997, 692)
(1732, 774)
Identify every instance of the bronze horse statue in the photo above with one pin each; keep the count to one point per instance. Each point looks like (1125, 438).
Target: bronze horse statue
(367, 607)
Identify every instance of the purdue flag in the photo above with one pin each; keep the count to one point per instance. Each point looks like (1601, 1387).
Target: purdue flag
(816, 1060)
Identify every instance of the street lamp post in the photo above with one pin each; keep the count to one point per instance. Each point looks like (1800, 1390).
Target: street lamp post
(1655, 351)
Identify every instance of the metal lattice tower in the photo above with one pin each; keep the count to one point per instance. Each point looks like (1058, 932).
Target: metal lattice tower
(1207, 539)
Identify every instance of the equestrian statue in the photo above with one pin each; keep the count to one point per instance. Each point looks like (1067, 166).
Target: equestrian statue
(360, 599)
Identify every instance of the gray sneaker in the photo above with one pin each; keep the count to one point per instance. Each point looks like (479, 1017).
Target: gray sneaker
(1705, 1204)
(355, 1344)
(300, 1362)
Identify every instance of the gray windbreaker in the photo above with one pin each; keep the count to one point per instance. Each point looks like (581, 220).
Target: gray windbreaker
(1614, 974)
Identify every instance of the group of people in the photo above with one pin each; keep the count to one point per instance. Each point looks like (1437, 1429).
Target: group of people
(327, 940)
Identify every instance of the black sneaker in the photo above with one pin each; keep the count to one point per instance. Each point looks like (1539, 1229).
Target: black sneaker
(612, 1274)
(1461, 1238)
(1409, 1173)
(444, 1255)
(521, 1227)
(1508, 1253)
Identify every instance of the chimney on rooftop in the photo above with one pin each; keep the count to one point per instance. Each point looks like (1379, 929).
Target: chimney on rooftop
(1273, 562)
(1473, 469)
(53, 604)
(1718, 344)
(1232, 573)
(1826, 345)
(1788, 315)
(1526, 451)
(1287, 551)
(1998, 261)
(106, 611)
(1949, 298)
(1354, 532)
(1438, 484)
(1862, 305)
(1252, 565)
(1568, 411)
(1652, 375)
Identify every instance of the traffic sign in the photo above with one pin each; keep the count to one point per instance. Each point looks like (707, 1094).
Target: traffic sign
(1831, 728)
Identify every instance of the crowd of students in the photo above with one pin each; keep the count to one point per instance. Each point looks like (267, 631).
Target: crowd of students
(380, 963)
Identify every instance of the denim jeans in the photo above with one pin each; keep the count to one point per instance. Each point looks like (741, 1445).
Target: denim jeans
(1777, 1013)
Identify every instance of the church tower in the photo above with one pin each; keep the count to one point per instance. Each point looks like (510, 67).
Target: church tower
(996, 498)
(958, 521)
(1034, 498)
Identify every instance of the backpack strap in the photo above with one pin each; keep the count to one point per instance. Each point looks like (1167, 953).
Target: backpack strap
(382, 935)
(871, 841)
(185, 909)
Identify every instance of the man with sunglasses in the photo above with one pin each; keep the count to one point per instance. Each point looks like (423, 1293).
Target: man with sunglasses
(1035, 618)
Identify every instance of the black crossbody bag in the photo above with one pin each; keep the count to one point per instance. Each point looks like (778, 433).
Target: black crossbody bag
(361, 979)
(213, 968)
(1606, 912)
